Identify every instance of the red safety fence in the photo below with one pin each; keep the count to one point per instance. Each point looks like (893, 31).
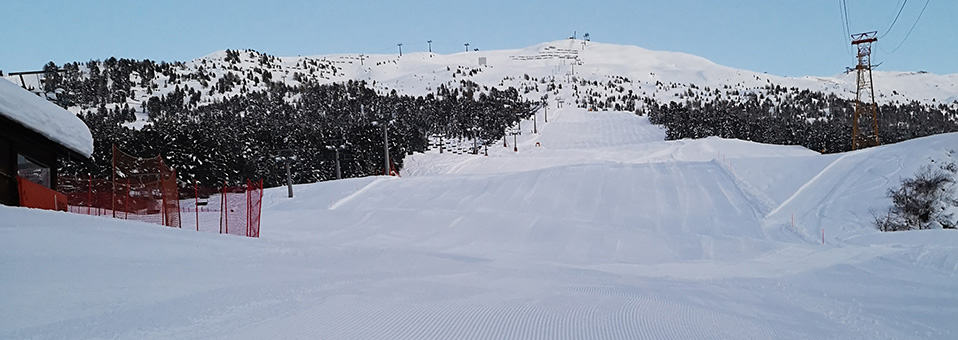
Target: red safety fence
(91, 196)
(33, 195)
(145, 189)
(145, 180)
(231, 210)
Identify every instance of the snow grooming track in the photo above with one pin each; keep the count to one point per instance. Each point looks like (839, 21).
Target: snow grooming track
(646, 315)
(572, 315)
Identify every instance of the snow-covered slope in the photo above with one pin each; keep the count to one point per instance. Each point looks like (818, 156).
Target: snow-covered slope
(562, 60)
(603, 231)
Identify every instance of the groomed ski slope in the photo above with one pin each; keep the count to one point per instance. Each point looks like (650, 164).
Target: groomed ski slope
(605, 231)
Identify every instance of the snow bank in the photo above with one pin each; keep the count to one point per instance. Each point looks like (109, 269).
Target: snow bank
(44, 117)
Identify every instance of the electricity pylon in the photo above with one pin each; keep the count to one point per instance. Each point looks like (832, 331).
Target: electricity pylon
(864, 83)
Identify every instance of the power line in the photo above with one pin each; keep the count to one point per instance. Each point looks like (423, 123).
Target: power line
(912, 28)
(844, 17)
(896, 19)
(845, 13)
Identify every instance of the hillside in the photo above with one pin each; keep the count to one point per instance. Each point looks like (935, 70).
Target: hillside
(566, 70)
(228, 116)
(602, 231)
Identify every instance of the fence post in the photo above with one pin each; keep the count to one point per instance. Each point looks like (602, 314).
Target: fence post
(247, 207)
(259, 208)
(89, 194)
(222, 198)
(163, 216)
(226, 217)
(113, 181)
(176, 191)
(126, 201)
(196, 204)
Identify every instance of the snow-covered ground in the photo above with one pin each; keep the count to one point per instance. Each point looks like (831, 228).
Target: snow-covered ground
(603, 231)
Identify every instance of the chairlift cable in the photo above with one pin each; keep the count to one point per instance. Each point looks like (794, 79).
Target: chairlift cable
(911, 29)
(894, 21)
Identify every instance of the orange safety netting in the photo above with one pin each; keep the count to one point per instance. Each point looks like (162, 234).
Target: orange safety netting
(231, 210)
(142, 189)
(145, 189)
(240, 209)
(147, 183)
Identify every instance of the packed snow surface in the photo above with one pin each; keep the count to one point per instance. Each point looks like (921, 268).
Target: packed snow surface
(602, 231)
(44, 117)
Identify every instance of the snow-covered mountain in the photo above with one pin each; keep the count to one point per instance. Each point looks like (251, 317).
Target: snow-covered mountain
(566, 70)
(573, 61)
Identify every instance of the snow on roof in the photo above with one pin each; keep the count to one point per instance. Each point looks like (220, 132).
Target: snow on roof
(44, 117)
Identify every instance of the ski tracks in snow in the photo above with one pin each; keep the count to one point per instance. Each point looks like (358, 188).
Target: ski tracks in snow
(807, 184)
(355, 194)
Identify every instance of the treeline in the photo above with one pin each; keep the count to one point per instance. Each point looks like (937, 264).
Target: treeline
(798, 117)
(248, 135)
(95, 84)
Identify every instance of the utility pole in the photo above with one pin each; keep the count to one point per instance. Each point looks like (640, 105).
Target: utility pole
(430, 45)
(467, 47)
(339, 174)
(534, 128)
(400, 49)
(864, 83)
(289, 179)
(545, 104)
(284, 154)
(386, 147)
(475, 139)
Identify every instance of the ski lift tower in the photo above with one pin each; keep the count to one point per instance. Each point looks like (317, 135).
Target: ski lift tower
(864, 83)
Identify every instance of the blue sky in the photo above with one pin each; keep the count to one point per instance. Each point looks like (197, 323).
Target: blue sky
(781, 37)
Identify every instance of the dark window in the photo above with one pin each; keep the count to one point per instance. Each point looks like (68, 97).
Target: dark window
(33, 171)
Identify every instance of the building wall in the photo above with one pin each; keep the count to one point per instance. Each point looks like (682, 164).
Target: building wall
(15, 139)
